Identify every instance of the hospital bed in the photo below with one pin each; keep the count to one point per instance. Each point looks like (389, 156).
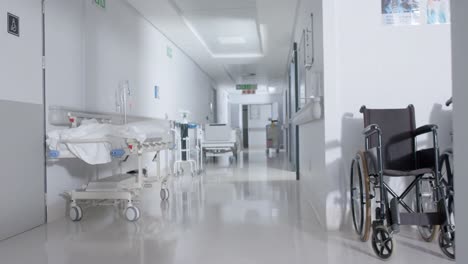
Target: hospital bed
(218, 140)
(96, 140)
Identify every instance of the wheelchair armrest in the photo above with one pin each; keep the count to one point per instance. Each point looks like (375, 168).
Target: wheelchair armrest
(449, 102)
(425, 129)
(371, 129)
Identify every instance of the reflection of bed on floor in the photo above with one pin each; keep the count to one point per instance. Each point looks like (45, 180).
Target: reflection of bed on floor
(219, 140)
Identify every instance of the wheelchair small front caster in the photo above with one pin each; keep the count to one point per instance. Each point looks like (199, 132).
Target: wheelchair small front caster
(76, 213)
(132, 213)
(382, 242)
(164, 194)
(447, 243)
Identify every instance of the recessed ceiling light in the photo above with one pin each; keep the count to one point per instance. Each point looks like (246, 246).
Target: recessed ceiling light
(232, 40)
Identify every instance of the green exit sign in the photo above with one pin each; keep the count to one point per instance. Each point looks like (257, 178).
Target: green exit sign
(100, 3)
(246, 87)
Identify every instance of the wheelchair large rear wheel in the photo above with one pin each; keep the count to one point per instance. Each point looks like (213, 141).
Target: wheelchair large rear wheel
(426, 204)
(360, 196)
(447, 241)
(446, 169)
(446, 172)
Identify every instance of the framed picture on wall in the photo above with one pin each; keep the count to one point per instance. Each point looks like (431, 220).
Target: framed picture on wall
(255, 112)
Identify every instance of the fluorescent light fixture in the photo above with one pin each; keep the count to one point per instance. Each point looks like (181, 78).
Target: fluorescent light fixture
(232, 40)
(238, 56)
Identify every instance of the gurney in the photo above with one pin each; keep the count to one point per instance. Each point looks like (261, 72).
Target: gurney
(98, 142)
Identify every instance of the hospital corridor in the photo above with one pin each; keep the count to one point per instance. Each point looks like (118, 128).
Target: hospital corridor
(233, 131)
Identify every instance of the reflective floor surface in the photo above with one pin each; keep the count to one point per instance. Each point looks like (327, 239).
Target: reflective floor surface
(246, 213)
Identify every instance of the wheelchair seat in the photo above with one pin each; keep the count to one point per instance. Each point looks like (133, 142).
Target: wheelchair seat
(400, 157)
(397, 173)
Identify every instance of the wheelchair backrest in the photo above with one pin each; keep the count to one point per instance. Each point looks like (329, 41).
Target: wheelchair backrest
(398, 144)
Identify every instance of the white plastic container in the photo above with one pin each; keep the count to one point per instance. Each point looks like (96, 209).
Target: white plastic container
(58, 116)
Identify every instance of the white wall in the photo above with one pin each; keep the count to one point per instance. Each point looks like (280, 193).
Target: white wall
(460, 93)
(122, 45)
(367, 63)
(21, 57)
(21, 114)
(225, 99)
(235, 118)
(89, 51)
(311, 135)
(222, 105)
(64, 86)
(255, 98)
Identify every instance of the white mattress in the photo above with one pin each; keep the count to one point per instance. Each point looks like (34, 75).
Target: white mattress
(92, 142)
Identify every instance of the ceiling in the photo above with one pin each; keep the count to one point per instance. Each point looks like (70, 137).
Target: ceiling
(233, 41)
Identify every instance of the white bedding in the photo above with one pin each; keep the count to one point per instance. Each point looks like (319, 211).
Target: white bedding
(99, 138)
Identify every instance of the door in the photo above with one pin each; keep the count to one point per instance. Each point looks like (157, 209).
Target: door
(245, 126)
(214, 105)
(22, 155)
(292, 111)
(293, 107)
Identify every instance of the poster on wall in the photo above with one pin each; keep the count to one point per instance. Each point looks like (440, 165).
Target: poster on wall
(415, 12)
(401, 12)
(438, 12)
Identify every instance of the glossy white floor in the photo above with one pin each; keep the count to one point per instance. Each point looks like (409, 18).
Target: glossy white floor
(246, 214)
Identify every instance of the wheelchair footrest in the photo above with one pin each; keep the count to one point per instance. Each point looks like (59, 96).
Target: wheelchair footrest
(394, 219)
(421, 219)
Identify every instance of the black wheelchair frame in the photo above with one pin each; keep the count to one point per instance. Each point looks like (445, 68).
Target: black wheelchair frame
(388, 217)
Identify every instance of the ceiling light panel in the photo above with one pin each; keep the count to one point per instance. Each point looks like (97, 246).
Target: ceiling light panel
(192, 5)
(226, 28)
(232, 40)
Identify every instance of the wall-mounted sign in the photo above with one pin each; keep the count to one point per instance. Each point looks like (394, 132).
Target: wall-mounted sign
(246, 87)
(13, 24)
(169, 52)
(249, 91)
(156, 92)
(100, 3)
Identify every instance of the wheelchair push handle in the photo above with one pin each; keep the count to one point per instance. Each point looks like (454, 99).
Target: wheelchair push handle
(371, 129)
(449, 102)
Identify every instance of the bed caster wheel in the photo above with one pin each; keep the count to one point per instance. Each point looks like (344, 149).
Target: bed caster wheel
(132, 213)
(76, 213)
(164, 194)
(447, 243)
(382, 242)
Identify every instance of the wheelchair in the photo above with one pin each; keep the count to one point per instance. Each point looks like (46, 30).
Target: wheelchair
(391, 151)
